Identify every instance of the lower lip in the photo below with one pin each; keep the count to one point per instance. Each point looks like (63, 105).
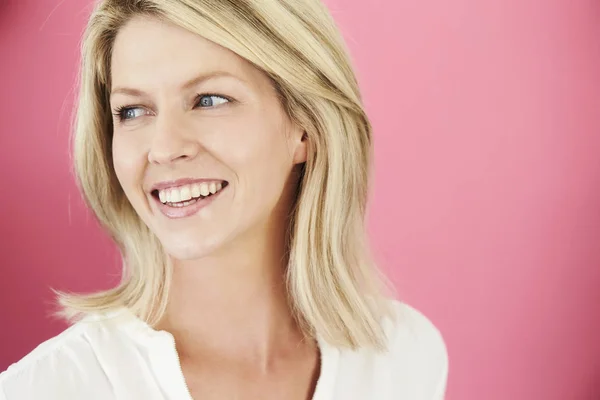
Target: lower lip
(187, 211)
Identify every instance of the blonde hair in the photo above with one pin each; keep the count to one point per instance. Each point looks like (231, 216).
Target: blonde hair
(334, 287)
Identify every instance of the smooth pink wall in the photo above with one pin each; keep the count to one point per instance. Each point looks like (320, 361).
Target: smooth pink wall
(486, 207)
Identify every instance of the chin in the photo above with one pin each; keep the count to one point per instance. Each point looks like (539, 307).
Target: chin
(186, 248)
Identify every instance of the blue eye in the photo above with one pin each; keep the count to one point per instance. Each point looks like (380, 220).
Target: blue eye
(211, 100)
(127, 113)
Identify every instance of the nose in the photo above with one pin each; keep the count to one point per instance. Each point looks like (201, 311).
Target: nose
(172, 142)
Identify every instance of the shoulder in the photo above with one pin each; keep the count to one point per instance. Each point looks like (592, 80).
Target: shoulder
(63, 364)
(416, 348)
(414, 364)
(408, 327)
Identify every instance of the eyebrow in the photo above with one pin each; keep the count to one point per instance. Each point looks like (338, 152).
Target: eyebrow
(186, 85)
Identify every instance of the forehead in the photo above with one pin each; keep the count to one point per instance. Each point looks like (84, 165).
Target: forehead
(149, 51)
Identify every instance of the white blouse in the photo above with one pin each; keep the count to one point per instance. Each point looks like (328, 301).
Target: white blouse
(118, 356)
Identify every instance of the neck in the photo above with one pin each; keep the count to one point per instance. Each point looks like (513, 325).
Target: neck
(233, 303)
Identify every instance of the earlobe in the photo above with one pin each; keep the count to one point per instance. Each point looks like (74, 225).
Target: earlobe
(301, 150)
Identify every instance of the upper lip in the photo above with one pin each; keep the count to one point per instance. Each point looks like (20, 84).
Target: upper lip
(181, 182)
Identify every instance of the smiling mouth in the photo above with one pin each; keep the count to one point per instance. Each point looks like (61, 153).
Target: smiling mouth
(186, 195)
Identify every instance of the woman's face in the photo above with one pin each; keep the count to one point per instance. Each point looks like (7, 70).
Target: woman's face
(202, 146)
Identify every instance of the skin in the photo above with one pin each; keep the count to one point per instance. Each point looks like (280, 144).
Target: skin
(228, 312)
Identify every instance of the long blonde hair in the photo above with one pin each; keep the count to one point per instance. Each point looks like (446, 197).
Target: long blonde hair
(334, 287)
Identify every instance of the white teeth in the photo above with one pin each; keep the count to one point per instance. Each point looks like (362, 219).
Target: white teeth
(184, 193)
(175, 196)
(195, 190)
(204, 189)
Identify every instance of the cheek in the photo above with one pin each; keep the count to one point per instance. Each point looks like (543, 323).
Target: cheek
(128, 163)
(259, 156)
(250, 143)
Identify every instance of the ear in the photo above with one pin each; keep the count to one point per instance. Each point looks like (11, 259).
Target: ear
(301, 148)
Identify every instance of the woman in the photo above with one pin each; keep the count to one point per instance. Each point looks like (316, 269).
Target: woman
(223, 145)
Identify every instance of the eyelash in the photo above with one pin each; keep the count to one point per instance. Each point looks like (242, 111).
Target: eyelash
(120, 111)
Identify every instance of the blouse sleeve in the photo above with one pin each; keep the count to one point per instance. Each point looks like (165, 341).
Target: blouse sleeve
(420, 356)
(440, 393)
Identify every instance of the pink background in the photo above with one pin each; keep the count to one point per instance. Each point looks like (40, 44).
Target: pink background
(486, 208)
